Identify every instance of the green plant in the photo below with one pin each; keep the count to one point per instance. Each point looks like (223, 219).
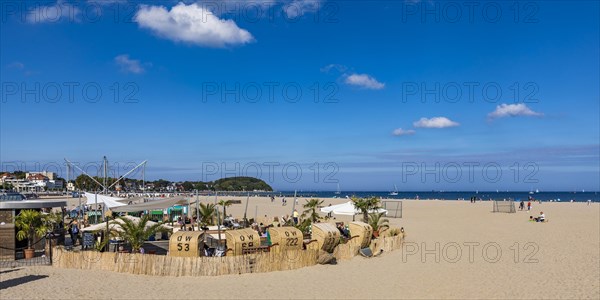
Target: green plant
(207, 213)
(225, 203)
(53, 220)
(365, 205)
(136, 232)
(378, 223)
(30, 223)
(311, 207)
(98, 246)
(304, 225)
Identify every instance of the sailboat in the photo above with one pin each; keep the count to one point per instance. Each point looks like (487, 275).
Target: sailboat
(395, 192)
(338, 190)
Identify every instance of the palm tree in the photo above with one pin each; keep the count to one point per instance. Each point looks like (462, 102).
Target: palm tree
(378, 224)
(225, 203)
(207, 213)
(311, 209)
(30, 223)
(137, 232)
(365, 205)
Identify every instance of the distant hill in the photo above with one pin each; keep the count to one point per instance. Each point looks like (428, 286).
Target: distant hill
(241, 184)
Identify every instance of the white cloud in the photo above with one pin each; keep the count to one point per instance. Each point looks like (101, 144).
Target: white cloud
(339, 68)
(298, 8)
(436, 122)
(365, 81)
(512, 110)
(129, 65)
(54, 13)
(17, 65)
(21, 68)
(192, 24)
(401, 132)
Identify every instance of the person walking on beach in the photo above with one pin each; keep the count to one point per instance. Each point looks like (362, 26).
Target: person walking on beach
(295, 217)
(521, 205)
(74, 231)
(529, 206)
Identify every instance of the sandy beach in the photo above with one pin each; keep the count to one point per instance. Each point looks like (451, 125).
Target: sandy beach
(452, 250)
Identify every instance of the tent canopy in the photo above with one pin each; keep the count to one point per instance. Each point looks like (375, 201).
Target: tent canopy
(347, 209)
(114, 225)
(108, 201)
(151, 205)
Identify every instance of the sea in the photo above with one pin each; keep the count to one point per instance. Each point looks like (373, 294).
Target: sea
(454, 195)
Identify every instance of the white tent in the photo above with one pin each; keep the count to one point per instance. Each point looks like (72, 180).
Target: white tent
(347, 209)
(107, 201)
(152, 205)
(114, 225)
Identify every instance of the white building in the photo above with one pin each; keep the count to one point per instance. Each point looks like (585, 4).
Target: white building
(49, 175)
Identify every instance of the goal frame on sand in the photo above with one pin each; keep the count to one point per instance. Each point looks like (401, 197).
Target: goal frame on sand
(394, 208)
(504, 206)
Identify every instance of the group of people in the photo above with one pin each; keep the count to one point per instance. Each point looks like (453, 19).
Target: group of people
(522, 205)
(261, 228)
(186, 224)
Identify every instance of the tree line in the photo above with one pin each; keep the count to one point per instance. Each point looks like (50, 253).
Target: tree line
(83, 182)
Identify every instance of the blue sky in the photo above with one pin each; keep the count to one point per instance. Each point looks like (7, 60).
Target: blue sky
(422, 94)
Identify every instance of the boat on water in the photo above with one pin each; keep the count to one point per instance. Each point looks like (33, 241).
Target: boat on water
(395, 192)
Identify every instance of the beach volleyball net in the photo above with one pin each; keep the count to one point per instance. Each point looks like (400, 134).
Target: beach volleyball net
(505, 206)
(394, 208)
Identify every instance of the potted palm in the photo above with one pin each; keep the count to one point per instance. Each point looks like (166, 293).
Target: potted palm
(311, 208)
(378, 223)
(207, 214)
(136, 232)
(225, 204)
(30, 223)
(365, 205)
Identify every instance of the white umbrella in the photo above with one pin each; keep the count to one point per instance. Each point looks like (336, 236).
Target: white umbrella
(348, 209)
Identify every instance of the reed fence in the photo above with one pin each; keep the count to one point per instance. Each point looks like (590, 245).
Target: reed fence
(164, 265)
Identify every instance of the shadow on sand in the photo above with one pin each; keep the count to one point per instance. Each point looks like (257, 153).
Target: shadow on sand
(20, 280)
(8, 271)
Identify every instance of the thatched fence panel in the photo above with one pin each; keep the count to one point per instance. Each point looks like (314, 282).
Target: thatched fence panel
(161, 265)
(259, 262)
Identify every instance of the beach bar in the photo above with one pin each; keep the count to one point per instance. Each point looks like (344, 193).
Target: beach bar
(10, 247)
